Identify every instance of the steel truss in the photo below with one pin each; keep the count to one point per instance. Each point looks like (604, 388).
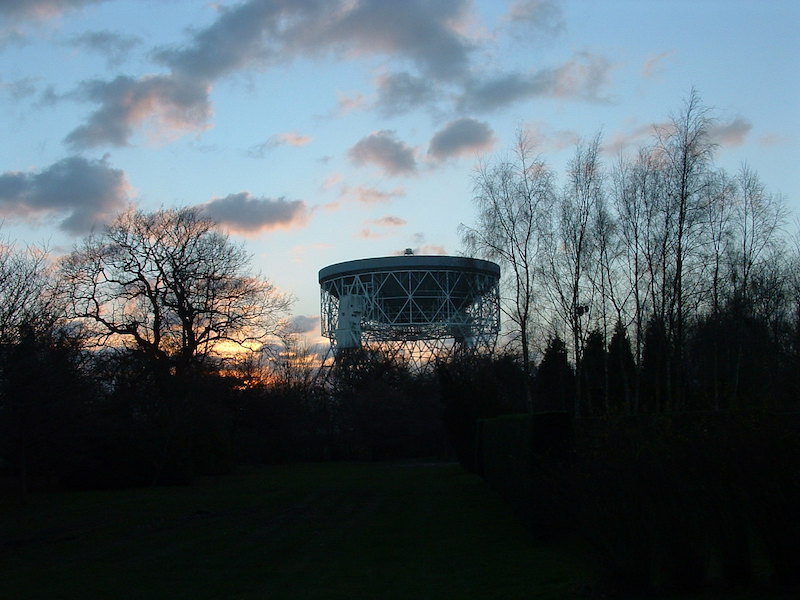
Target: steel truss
(418, 314)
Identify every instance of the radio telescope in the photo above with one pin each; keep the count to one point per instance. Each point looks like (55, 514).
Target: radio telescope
(418, 307)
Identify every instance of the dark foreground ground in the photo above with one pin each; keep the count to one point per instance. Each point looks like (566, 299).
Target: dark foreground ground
(303, 531)
(327, 531)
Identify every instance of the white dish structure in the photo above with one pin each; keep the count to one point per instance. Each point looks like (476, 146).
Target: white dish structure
(423, 307)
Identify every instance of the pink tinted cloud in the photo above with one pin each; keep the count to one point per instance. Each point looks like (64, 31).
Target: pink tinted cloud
(41, 9)
(635, 138)
(655, 64)
(423, 249)
(389, 221)
(292, 138)
(369, 234)
(167, 104)
(346, 104)
(331, 181)
(367, 195)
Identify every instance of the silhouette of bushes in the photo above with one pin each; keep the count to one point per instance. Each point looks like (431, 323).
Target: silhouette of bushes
(473, 388)
(667, 503)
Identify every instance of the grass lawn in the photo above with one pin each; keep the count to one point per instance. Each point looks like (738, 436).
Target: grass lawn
(382, 531)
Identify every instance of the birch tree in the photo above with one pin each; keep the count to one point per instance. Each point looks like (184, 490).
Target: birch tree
(514, 199)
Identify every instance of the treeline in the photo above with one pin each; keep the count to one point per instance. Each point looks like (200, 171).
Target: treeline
(652, 283)
(653, 313)
(658, 285)
(152, 353)
(76, 419)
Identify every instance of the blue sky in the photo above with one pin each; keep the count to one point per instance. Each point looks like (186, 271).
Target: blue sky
(321, 131)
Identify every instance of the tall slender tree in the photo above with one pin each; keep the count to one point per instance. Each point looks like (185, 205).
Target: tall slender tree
(514, 200)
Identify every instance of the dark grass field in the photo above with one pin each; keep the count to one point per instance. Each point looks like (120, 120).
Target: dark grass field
(416, 530)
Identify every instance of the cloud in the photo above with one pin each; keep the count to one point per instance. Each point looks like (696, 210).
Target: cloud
(430, 249)
(347, 104)
(331, 181)
(81, 193)
(11, 36)
(113, 46)
(167, 103)
(248, 215)
(304, 323)
(459, 137)
(369, 234)
(383, 149)
(580, 78)
(239, 37)
(537, 17)
(19, 89)
(399, 93)
(655, 64)
(424, 249)
(730, 134)
(427, 33)
(368, 195)
(290, 138)
(389, 221)
(263, 31)
(640, 135)
(41, 9)
(773, 139)
(259, 151)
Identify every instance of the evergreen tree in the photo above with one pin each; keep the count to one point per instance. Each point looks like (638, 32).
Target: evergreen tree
(622, 389)
(555, 379)
(593, 372)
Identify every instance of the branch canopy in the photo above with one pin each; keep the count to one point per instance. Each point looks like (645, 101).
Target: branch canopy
(170, 285)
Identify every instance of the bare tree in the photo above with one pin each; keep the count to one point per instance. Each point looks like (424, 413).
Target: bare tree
(171, 286)
(757, 220)
(27, 297)
(686, 151)
(514, 199)
(572, 255)
(720, 197)
(756, 259)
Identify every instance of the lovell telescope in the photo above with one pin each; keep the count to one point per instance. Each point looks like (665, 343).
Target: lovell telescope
(420, 307)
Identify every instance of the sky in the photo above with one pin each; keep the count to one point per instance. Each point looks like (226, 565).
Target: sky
(320, 131)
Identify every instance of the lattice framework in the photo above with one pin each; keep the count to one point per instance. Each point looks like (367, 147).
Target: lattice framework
(417, 312)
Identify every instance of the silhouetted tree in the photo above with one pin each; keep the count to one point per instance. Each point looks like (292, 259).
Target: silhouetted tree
(555, 379)
(573, 252)
(655, 368)
(27, 293)
(44, 398)
(622, 387)
(514, 199)
(595, 374)
(172, 287)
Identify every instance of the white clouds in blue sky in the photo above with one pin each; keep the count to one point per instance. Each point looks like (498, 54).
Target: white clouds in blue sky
(327, 130)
